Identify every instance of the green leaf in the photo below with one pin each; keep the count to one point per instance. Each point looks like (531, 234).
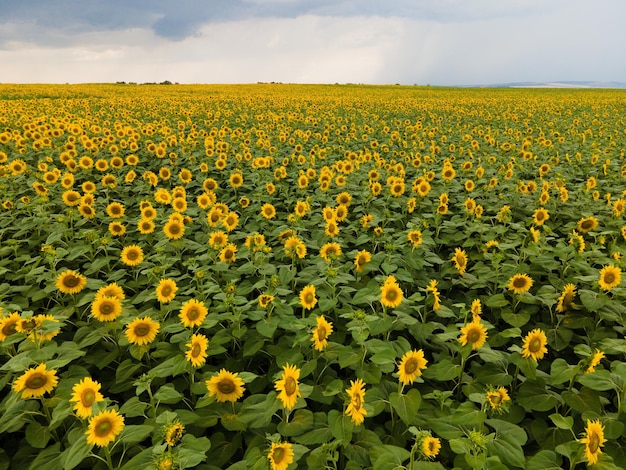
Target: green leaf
(592, 301)
(533, 395)
(135, 433)
(340, 426)
(496, 301)
(37, 435)
(47, 459)
(599, 380)
(299, 423)
(406, 405)
(561, 371)
(168, 394)
(192, 450)
(544, 460)
(583, 401)
(508, 443)
(562, 422)
(78, 452)
(389, 457)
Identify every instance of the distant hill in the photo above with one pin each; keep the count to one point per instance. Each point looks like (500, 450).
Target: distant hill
(563, 84)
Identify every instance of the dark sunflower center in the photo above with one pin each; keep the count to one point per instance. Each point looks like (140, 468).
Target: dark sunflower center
(290, 386)
(195, 350)
(392, 294)
(132, 255)
(410, 366)
(519, 282)
(496, 399)
(166, 291)
(609, 277)
(9, 329)
(142, 329)
(174, 229)
(356, 399)
(473, 336)
(87, 398)
(535, 345)
(321, 333)
(70, 281)
(103, 428)
(279, 455)
(36, 381)
(594, 443)
(586, 225)
(106, 308)
(309, 298)
(193, 313)
(226, 386)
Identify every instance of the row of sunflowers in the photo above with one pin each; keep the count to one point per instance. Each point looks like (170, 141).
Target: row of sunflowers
(347, 277)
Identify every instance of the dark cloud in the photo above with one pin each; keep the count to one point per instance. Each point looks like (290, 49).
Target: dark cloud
(179, 19)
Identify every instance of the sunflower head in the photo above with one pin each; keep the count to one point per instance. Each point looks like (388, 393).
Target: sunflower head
(226, 386)
(70, 282)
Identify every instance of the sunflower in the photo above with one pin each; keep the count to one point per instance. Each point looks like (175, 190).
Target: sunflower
(295, 247)
(104, 428)
(460, 260)
(236, 180)
(192, 313)
(132, 255)
(566, 298)
(218, 239)
(587, 224)
(230, 221)
(196, 350)
(280, 455)
(497, 399)
(8, 325)
(362, 258)
(595, 360)
(174, 229)
(145, 226)
(35, 326)
(332, 229)
(106, 308)
(179, 204)
(476, 309)
(71, 198)
(344, 198)
(115, 210)
(117, 229)
(415, 237)
(166, 290)
(390, 293)
(411, 366)
(228, 253)
(174, 433)
(330, 251)
(520, 283)
(142, 331)
(321, 333)
(36, 382)
(86, 393)
(70, 282)
(328, 213)
(355, 409)
(226, 386)
(535, 344)
(593, 440)
(268, 211)
(288, 386)
(610, 277)
(307, 297)
(473, 333)
(430, 447)
(540, 216)
(341, 213)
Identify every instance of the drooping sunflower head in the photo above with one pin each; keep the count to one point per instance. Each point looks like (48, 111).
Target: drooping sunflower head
(460, 260)
(362, 258)
(321, 333)
(280, 455)
(288, 386)
(587, 224)
(594, 440)
(197, 350)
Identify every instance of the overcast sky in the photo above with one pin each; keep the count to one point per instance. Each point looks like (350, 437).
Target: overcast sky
(437, 42)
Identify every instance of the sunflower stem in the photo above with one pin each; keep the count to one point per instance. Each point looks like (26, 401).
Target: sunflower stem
(107, 454)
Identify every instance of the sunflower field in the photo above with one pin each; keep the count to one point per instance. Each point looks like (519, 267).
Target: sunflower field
(331, 277)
